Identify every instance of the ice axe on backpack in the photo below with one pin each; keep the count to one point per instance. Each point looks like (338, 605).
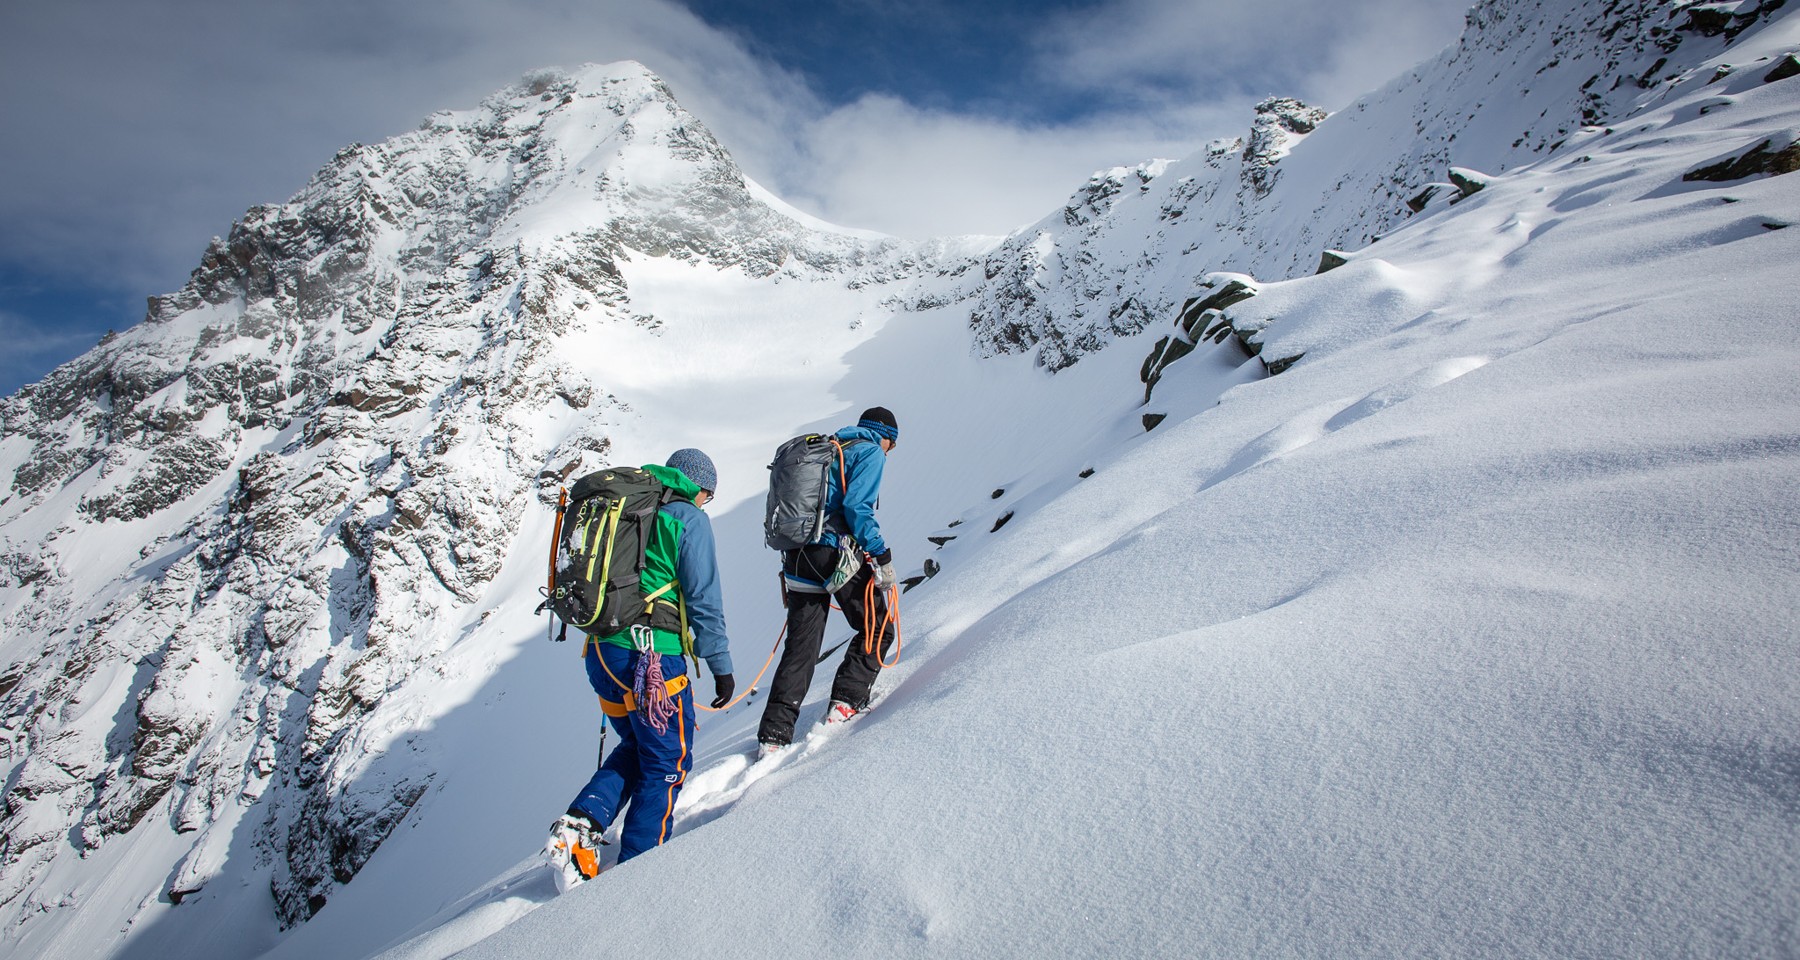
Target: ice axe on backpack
(549, 591)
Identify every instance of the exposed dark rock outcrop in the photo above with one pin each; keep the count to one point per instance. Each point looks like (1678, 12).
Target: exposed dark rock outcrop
(1765, 157)
(1468, 182)
(1200, 318)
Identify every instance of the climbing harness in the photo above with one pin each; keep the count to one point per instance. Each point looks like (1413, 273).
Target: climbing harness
(633, 697)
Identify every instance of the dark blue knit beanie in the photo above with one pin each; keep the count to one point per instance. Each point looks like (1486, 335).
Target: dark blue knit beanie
(697, 466)
(880, 420)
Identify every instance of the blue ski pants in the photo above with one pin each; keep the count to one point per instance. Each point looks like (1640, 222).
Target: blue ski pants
(644, 773)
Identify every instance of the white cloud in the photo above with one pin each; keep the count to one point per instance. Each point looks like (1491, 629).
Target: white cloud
(1146, 78)
(1327, 51)
(886, 165)
(136, 131)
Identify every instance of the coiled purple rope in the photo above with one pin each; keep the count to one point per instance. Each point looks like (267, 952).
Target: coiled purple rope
(647, 682)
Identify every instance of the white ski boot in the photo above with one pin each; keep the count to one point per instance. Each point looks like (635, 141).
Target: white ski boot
(838, 712)
(573, 850)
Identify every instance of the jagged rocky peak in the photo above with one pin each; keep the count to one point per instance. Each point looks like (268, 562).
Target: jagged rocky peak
(602, 152)
(586, 128)
(1280, 123)
(318, 441)
(614, 129)
(1098, 195)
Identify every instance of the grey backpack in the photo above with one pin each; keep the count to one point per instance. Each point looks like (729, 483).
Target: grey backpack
(798, 480)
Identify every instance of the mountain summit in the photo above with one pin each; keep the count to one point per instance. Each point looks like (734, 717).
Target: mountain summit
(305, 464)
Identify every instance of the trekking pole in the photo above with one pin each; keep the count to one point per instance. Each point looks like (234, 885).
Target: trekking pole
(834, 648)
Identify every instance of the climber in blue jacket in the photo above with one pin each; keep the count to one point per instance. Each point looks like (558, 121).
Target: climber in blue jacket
(850, 506)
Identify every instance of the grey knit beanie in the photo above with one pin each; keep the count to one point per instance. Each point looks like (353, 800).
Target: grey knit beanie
(697, 466)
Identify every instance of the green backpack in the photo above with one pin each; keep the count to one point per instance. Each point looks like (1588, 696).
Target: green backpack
(597, 554)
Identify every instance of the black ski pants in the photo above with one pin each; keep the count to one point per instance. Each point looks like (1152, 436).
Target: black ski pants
(807, 614)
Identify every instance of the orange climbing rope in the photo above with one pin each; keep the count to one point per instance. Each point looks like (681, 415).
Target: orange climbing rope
(753, 684)
(734, 701)
(891, 615)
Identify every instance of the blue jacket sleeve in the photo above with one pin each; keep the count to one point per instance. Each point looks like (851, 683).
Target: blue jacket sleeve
(865, 463)
(697, 569)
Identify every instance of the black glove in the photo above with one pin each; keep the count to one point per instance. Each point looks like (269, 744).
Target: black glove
(723, 688)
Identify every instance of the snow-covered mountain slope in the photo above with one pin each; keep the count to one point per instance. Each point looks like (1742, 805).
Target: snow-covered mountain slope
(1472, 634)
(235, 532)
(1468, 634)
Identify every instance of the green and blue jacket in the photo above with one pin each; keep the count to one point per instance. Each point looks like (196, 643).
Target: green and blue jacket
(681, 552)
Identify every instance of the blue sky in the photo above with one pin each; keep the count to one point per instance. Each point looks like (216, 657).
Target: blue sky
(138, 131)
(933, 53)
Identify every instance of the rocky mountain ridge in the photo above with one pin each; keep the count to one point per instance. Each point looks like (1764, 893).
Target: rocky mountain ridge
(1134, 243)
(324, 433)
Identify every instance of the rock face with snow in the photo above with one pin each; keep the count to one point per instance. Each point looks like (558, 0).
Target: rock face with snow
(307, 455)
(1134, 243)
(242, 540)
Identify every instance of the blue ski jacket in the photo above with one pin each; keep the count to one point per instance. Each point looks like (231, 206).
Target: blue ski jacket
(697, 570)
(855, 501)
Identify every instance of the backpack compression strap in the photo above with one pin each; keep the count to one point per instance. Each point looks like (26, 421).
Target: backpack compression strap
(608, 531)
